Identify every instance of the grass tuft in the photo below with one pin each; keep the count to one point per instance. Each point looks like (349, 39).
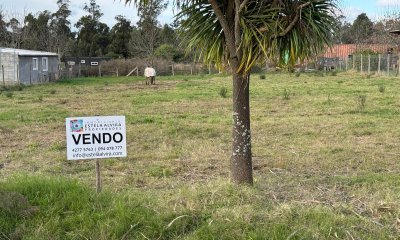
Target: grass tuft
(223, 91)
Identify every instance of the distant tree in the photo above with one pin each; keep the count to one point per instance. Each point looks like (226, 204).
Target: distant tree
(15, 36)
(93, 36)
(166, 51)
(343, 34)
(168, 35)
(120, 37)
(4, 36)
(36, 32)
(148, 30)
(60, 27)
(362, 29)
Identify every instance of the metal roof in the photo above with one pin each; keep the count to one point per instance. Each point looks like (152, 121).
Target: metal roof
(24, 52)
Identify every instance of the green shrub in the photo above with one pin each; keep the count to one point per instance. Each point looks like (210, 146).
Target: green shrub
(381, 88)
(362, 100)
(286, 94)
(223, 92)
(262, 77)
(9, 94)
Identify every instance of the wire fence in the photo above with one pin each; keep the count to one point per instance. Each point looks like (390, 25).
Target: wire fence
(134, 69)
(381, 64)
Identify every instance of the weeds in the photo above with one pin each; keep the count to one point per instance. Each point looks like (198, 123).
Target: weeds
(263, 77)
(53, 91)
(223, 91)
(9, 94)
(381, 88)
(286, 94)
(361, 100)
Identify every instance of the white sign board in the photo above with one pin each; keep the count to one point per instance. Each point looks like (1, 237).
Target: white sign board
(95, 137)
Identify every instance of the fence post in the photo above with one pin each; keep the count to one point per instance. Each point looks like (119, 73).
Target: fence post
(369, 64)
(137, 72)
(388, 65)
(173, 70)
(347, 61)
(2, 70)
(379, 64)
(191, 69)
(79, 70)
(117, 73)
(354, 62)
(99, 70)
(361, 64)
(398, 65)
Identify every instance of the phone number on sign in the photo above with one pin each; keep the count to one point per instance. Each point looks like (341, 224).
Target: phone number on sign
(94, 149)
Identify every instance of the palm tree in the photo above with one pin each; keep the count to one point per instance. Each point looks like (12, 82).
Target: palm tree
(240, 32)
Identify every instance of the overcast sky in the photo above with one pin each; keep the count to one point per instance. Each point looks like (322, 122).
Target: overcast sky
(111, 8)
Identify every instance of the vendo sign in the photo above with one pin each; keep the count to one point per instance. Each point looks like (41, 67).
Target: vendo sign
(95, 137)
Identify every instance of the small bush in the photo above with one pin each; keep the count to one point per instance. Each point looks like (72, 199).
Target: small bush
(9, 94)
(53, 91)
(223, 92)
(286, 94)
(362, 99)
(263, 77)
(381, 88)
(297, 74)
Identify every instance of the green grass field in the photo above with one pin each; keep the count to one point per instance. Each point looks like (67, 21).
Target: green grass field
(326, 156)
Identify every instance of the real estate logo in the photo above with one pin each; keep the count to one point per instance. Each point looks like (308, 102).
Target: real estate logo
(76, 125)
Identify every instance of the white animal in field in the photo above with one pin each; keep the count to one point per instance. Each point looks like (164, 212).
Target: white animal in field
(150, 74)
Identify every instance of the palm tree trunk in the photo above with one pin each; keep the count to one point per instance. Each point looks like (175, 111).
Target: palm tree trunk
(241, 162)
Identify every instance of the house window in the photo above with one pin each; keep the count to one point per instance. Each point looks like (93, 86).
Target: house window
(35, 65)
(45, 64)
(83, 61)
(94, 63)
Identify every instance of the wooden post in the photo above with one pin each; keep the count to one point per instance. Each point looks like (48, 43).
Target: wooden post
(2, 71)
(369, 64)
(209, 69)
(379, 64)
(79, 70)
(398, 65)
(347, 62)
(361, 63)
(117, 73)
(99, 70)
(137, 72)
(98, 176)
(191, 69)
(354, 62)
(388, 65)
(173, 70)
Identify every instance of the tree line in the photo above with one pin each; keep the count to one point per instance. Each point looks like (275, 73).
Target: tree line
(365, 31)
(53, 32)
